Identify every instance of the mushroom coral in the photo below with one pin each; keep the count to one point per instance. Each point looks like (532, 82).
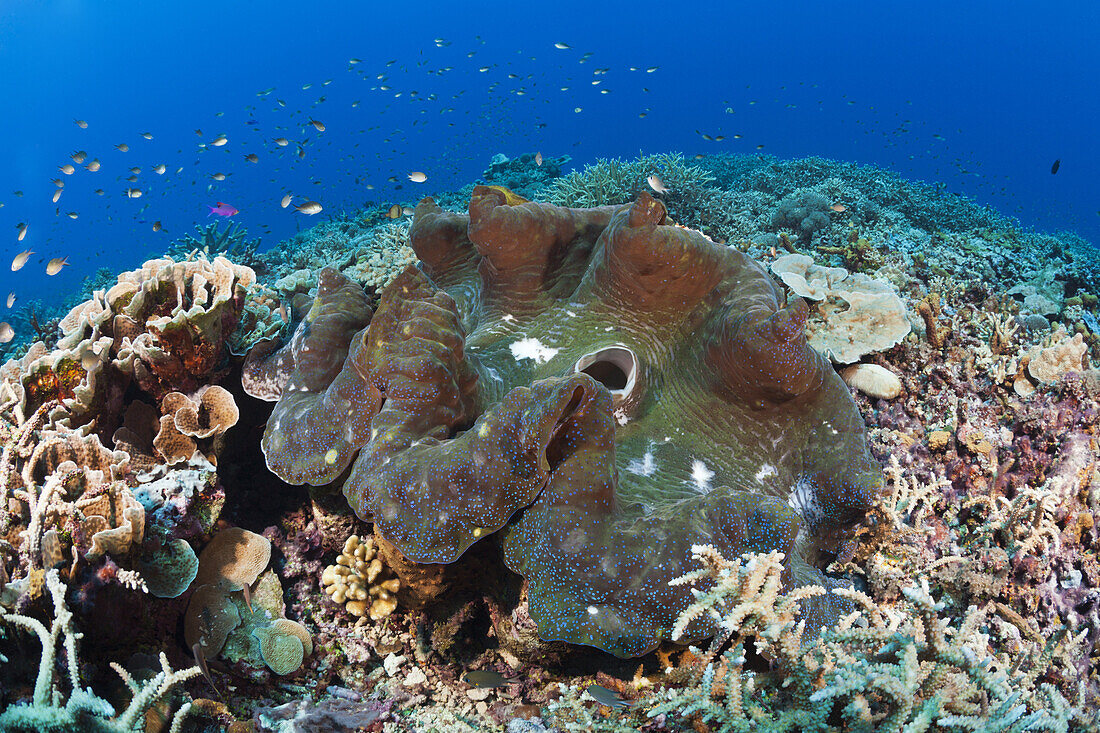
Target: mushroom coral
(607, 388)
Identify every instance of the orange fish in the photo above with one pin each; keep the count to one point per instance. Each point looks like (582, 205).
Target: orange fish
(839, 208)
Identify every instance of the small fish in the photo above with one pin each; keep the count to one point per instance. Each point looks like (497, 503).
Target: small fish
(11, 299)
(133, 193)
(318, 125)
(218, 176)
(309, 208)
(72, 215)
(487, 679)
(67, 169)
(22, 232)
(147, 135)
(286, 201)
(394, 211)
(7, 333)
(252, 158)
(57, 195)
(1054, 168)
(562, 46)
(538, 158)
(54, 266)
(81, 124)
(157, 226)
(417, 177)
(122, 148)
(135, 170)
(839, 208)
(651, 69)
(354, 61)
(159, 170)
(200, 661)
(78, 157)
(607, 697)
(657, 184)
(246, 591)
(282, 142)
(89, 359)
(93, 166)
(219, 141)
(222, 209)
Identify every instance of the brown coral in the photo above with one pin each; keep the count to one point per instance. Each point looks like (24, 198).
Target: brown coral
(359, 580)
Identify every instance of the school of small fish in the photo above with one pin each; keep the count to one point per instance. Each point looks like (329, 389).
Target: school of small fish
(287, 125)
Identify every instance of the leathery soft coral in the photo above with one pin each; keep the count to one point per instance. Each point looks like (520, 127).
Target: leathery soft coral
(606, 387)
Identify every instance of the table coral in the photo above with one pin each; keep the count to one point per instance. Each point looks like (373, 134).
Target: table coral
(612, 388)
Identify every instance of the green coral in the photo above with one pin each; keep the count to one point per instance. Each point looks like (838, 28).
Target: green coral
(616, 181)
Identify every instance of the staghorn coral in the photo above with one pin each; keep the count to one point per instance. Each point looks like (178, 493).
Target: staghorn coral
(381, 255)
(629, 385)
(50, 709)
(616, 182)
(905, 667)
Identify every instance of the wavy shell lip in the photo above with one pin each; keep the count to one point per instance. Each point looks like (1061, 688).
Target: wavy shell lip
(669, 352)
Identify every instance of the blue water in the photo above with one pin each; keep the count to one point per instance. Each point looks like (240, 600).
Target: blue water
(980, 96)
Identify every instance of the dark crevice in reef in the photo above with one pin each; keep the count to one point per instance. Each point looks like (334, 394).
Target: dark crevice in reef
(255, 498)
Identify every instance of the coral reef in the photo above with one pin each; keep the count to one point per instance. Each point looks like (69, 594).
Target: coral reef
(582, 397)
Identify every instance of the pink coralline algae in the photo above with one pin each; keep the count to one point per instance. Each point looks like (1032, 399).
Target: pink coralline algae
(604, 387)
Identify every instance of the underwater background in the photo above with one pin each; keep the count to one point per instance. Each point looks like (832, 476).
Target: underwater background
(541, 368)
(980, 98)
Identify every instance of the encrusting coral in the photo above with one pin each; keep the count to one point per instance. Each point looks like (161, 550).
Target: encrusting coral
(538, 365)
(225, 616)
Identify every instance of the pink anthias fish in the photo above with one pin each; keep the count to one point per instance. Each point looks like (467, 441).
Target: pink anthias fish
(222, 209)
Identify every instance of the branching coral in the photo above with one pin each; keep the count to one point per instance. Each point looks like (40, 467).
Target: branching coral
(907, 667)
(50, 709)
(616, 182)
(628, 385)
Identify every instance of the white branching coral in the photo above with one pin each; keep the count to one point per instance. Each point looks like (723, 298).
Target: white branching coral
(745, 599)
(906, 667)
(50, 709)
